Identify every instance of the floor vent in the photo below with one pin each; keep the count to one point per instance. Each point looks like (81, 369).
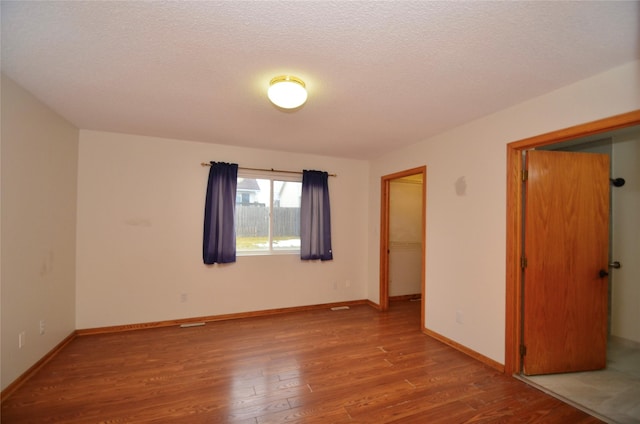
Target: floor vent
(339, 308)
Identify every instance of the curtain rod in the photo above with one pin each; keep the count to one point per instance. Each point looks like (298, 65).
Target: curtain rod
(267, 170)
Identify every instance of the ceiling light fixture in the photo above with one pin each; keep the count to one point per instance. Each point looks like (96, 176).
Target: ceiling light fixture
(287, 92)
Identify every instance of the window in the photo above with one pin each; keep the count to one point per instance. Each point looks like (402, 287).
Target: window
(267, 214)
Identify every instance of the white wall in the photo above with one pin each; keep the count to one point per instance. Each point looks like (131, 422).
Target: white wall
(39, 174)
(625, 291)
(465, 252)
(139, 235)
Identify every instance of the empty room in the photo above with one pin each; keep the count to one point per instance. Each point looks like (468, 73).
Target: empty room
(437, 223)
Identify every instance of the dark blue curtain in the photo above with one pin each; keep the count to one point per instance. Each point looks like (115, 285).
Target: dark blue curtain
(315, 217)
(219, 242)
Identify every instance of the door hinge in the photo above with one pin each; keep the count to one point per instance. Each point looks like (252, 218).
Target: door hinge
(523, 262)
(525, 175)
(523, 350)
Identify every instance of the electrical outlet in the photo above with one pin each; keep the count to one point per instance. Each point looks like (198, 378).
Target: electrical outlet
(184, 297)
(347, 283)
(459, 317)
(22, 339)
(41, 327)
(335, 285)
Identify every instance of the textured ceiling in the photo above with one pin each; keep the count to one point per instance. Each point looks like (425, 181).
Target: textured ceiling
(379, 74)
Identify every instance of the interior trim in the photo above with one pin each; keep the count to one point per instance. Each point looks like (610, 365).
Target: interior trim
(461, 348)
(413, 297)
(385, 182)
(168, 323)
(213, 318)
(13, 386)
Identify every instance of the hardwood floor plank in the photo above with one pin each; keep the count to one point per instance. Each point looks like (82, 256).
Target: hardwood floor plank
(318, 366)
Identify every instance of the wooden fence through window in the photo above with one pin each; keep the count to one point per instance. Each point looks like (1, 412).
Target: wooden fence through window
(253, 221)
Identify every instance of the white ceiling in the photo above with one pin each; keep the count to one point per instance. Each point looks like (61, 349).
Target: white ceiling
(379, 74)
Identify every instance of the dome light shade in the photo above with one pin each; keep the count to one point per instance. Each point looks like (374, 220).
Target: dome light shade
(287, 92)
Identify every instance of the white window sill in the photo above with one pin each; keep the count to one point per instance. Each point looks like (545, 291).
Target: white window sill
(267, 252)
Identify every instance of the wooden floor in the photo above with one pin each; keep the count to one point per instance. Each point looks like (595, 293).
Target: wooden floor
(348, 366)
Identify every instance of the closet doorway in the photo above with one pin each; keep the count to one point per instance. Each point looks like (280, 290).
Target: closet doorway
(402, 237)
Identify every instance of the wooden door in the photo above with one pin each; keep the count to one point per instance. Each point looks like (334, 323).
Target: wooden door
(566, 246)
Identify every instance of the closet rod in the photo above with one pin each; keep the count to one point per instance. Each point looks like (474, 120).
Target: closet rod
(267, 170)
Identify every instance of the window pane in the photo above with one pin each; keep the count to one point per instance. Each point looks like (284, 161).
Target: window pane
(255, 214)
(252, 214)
(286, 215)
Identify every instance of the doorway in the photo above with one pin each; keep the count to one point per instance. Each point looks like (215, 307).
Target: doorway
(514, 305)
(402, 236)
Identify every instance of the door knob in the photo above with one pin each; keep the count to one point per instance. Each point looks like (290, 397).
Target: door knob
(603, 273)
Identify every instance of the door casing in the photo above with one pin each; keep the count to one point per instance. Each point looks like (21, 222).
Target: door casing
(513, 319)
(384, 235)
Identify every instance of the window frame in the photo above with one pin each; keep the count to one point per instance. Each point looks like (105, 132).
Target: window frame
(272, 176)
